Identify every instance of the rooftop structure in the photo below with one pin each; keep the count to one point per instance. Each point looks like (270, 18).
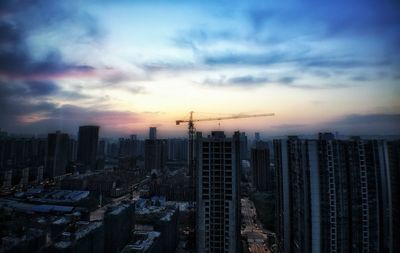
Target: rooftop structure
(144, 242)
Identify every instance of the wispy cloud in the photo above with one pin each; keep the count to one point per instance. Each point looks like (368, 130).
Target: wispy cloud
(252, 81)
(246, 81)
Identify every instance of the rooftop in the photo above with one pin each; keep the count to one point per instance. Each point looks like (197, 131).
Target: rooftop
(144, 243)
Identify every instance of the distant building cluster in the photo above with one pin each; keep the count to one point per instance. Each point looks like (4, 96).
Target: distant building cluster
(91, 194)
(61, 194)
(25, 160)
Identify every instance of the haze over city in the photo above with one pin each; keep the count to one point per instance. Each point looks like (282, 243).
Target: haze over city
(128, 65)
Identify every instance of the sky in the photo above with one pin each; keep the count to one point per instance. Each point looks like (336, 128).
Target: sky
(128, 65)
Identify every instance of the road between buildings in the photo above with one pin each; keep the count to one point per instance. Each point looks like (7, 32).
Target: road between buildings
(252, 229)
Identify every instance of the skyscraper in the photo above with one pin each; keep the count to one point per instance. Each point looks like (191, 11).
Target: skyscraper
(129, 147)
(153, 133)
(57, 154)
(178, 149)
(260, 164)
(155, 154)
(87, 145)
(334, 196)
(393, 154)
(217, 193)
(243, 147)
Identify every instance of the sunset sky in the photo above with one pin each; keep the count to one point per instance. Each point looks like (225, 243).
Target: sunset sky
(127, 65)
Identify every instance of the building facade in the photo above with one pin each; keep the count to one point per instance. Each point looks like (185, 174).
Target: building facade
(262, 175)
(88, 139)
(57, 154)
(153, 133)
(217, 193)
(334, 195)
(155, 154)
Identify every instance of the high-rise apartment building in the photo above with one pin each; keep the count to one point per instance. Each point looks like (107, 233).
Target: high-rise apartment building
(243, 147)
(178, 149)
(335, 195)
(153, 133)
(155, 154)
(17, 153)
(88, 139)
(57, 154)
(217, 193)
(262, 173)
(392, 152)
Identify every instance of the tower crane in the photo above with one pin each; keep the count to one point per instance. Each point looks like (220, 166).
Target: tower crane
(192, 129)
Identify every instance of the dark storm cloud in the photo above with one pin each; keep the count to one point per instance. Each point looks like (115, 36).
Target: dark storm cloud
(22, 111)
(27, 83)
(20, 99)
(69, 117)
(9, 34)
(28, 90)
(20, 19)
(18, 64)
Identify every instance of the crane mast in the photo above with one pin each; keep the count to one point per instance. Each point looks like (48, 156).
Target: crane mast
(191, 133)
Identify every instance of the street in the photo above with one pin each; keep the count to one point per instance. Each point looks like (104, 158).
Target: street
(252, 229)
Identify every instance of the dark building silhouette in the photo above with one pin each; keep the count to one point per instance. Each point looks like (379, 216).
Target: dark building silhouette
(118, 225)
(177, 149)
(243, 147)
(112, 150)
(155, 154)
(57, 154)
(217, 193)
(72, 150)
(153, 133)
(393, 213)
(88, 237)
(87, 145)
(31, 240)
(144, 242)
(21, 159)
(129, 147)
(22, 151)
(260, 163)
(336, 195)
(101, 149)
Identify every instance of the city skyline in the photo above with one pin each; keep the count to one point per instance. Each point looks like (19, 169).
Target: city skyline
(129, 65)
